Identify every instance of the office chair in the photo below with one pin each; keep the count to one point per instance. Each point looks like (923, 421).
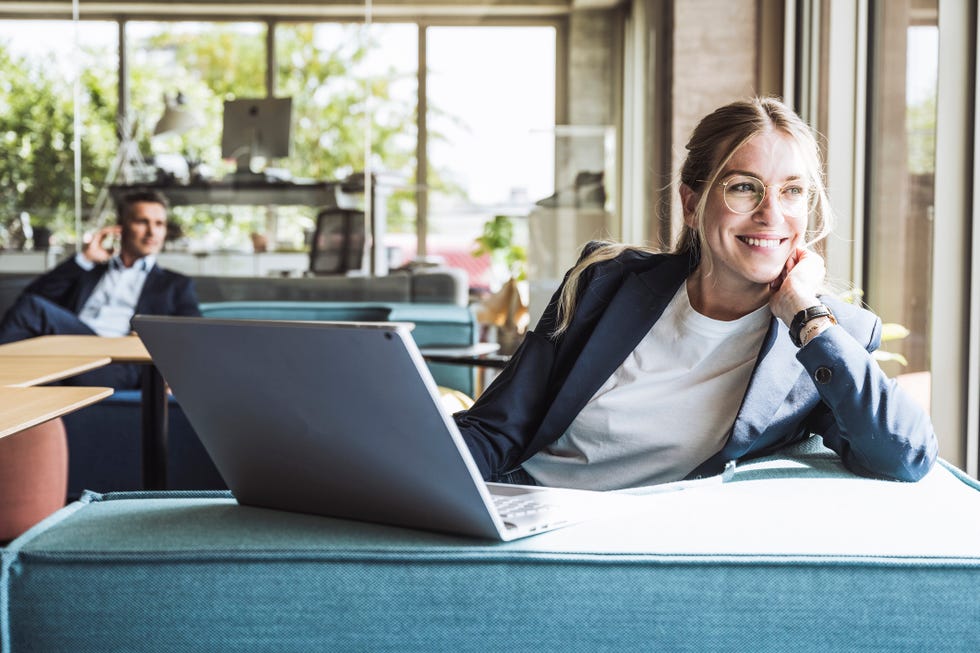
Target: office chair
(339, 241)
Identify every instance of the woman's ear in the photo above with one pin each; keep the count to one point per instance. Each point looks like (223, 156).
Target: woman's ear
(689, 201)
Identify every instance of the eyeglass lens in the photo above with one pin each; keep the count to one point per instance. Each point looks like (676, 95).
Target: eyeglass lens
(744, 194)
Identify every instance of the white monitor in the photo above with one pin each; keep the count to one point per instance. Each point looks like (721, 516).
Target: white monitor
(256, 128)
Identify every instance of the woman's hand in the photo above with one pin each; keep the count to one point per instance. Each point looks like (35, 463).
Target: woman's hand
(796, 288)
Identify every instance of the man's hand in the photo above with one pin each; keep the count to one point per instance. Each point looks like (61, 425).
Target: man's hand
(95, 248)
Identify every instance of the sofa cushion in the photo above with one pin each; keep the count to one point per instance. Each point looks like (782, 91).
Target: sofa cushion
(792, 554)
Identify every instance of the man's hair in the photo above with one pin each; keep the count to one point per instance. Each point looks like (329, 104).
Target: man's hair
(135, 197)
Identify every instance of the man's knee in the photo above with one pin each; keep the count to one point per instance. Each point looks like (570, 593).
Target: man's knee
(33, 315)
(31, 304)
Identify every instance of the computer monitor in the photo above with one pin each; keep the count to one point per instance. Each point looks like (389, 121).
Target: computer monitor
(256, 128)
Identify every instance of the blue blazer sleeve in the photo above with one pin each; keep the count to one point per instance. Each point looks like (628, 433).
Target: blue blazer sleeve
(501, 425)
(168, 293)
(498, 427)
(864, 416)
(67, 284)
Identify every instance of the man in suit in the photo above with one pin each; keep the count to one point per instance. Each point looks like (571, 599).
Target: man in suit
(98, 291)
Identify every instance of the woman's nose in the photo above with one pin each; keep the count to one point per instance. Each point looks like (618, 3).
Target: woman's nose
(769, 210)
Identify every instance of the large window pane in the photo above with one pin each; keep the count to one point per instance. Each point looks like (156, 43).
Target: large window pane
(194, 67)
(900, 234)
(339, 74)
(491, 117)
(40, 61)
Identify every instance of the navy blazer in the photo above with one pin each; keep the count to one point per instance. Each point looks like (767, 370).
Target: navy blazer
(164, 293)
(831, 387)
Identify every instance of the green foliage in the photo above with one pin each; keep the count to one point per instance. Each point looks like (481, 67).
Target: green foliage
(37, 132)
(497, 240)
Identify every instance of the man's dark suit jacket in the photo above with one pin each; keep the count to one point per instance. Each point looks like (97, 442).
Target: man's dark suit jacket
(832, 387)
(164, 293)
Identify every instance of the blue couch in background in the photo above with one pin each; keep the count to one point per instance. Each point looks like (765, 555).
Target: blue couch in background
(794, 554)
(103, 439)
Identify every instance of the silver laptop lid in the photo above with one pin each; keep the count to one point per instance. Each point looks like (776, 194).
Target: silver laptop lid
(331, 418)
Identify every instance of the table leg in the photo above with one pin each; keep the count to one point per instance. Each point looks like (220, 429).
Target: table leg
(154, 429)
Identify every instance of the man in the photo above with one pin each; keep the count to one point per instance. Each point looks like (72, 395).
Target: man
(97, 293)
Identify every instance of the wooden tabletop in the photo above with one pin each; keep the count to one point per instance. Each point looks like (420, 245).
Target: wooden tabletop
(36, 370)
(27, 407)
(127, 349)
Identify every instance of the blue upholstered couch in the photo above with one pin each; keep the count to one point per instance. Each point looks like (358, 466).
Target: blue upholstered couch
(792, 554)
(103, 440)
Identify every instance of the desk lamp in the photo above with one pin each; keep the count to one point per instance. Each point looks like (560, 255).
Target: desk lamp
(176, 119)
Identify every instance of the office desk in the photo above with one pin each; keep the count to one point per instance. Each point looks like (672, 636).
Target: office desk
(27, 407)
(480, 355)
(128, 349)
(23, 371)
(257, 192)
(347, 195)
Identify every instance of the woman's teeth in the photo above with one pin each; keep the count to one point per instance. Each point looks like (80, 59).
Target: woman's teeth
(760, 242)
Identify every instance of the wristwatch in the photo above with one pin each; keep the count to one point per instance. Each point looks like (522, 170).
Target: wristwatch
(804, 316)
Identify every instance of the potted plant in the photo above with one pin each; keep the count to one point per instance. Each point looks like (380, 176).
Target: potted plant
(506, 308)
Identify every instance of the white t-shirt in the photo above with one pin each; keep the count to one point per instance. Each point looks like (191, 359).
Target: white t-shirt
(665, 410)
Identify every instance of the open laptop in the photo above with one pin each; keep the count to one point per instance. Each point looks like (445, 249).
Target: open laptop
(341, 419)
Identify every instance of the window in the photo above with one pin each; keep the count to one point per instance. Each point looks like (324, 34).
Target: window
(490, 121)
(902, 164)
(488, 131)
(194, 67)
(39, 60)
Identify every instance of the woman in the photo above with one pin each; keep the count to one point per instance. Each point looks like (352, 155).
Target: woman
(648, 368)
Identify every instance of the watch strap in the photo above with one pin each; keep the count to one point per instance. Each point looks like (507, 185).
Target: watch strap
(806, 315)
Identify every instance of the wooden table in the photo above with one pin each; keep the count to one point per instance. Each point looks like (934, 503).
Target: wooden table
(24, 371)
(126, 349)
(27, 407)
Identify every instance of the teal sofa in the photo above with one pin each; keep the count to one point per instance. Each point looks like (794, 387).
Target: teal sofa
(793, 553)
(436, 325)
(103, 439)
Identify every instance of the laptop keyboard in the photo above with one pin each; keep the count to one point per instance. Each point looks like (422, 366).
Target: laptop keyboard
(513, 507)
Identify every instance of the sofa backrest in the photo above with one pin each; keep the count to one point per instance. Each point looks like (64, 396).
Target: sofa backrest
(436, 325)
(393, 288)
(430, 286)
(11, 285)
(438, 286)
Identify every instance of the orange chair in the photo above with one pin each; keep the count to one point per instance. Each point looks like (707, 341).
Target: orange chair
(33, 476)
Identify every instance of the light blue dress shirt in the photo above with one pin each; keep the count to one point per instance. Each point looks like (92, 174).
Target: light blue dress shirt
(113, 302)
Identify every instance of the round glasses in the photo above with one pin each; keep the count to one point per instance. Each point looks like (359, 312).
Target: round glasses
(745, 194)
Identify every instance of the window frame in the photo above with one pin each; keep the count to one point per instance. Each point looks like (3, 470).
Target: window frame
(550, 15)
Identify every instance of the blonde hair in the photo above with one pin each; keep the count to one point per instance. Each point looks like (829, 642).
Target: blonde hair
(712, 144)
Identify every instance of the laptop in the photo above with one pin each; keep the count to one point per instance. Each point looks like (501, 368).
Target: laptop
(341, 419)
